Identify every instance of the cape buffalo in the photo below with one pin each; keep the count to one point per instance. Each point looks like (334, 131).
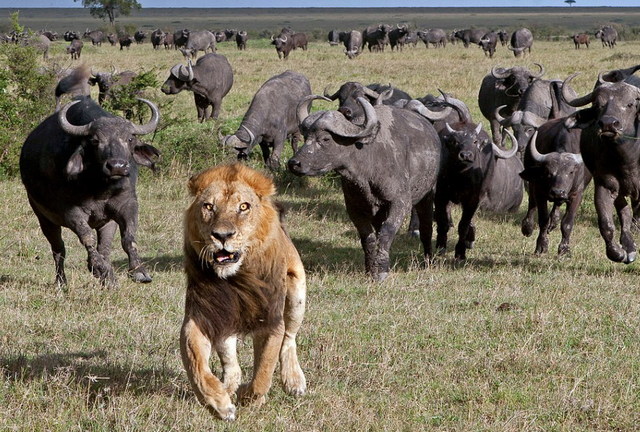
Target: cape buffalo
(75, 49)
(241, 40)
(376, 37)
(397, 36)
(521, 42)
(210, 79)
(271, 118)
(474, 169)
(352, 43)
(469, 36)
(488, 43)
(74, 84)
(139, 36)
(334, 37)
(555, 172)
(125, 41)
(437, 37)
(157, 38)
(202, 40)
(96, 36)
(608, 35)
(180, 38)
(387, 165)
(610, 148)
(503, 87)
(107, 82)
(79, 167)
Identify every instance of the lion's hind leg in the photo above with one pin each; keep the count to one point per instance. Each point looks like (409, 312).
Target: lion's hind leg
(293, 379)
(196, 350)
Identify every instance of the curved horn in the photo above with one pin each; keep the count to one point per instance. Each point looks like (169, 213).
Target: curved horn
(384, 96)
(533, 150)
(151, 125)
(601, 79)
(506, 154)
(461, 107)
(333, 96)
(68, 127)
(542, 71)
(370, 122)
(500, 75)
(417, 106)
(478, 129)
(372, 94)
(283, 40)
(575, 102)
(449, 128)
(273, 37)
(302, 109)
(507, 121)
(252, 137)
(190, 70)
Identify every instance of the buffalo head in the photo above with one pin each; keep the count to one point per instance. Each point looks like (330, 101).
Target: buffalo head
(180, 78)
(471, 147)
(110, 143)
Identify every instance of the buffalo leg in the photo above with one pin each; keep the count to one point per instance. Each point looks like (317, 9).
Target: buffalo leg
(195, 348)
(293, 379)
(542, 243)
(566, 226)
(442, 222)
(266, 347)
(53, 234)
(105, 238)
(128, 229)
(201, 106)
(387, 223)
(98, 265)
(424, 213)
(216, 105)
(625, 215)
(273, 162)
(604, 199)
(527, 223)
(468, 211)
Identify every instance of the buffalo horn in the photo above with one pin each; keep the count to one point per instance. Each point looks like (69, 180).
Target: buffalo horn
(506, 154)
(303, 106)
(575, 102)
(252, 137)
(539, 73)
(333, 96)
(190, 70)
(151, 125)
(347, 129)
(620, 74)
(500, 75)
(426, 112)
(68, 127)
(478, 129)
(283, 39)
(370, 93)
(273, 37)
(533, 150)
(449, 128)
(461, 107)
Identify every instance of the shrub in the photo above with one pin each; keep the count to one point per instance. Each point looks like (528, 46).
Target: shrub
(26, 98)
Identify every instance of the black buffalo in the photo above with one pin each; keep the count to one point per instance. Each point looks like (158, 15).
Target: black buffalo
(610, 148)
(469, 36)
(79, 167)
(488, 43)
(376, 37)
(139, 36)
(75, 49)
(503, 87)
(555, 173)
(334, 37)
(271, 118)
(241, 40)
(387, 165)
(125, 41)
(397, 36)
(202, 40)
(475, 170)
(608, 35)
(210, 79)
(521, 42)
(436, 37)
(352, 43)
(96, 36)
(157, 38)
(180, 38)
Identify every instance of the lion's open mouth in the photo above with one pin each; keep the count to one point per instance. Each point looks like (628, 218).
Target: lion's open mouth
(226, 257)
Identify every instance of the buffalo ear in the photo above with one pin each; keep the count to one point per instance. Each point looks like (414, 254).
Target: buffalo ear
(531, 174)
(75, 164)
(146, 155)
(581, 119)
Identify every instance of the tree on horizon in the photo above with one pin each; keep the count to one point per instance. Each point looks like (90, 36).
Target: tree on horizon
(570, 2)
(110, 9)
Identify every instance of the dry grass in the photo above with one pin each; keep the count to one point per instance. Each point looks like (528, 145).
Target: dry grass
(504, 342)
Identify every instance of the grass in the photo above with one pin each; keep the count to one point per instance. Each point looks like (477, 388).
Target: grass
(506, 341)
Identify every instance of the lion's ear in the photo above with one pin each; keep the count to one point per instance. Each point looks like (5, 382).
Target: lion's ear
(261, 184)
(199, 181)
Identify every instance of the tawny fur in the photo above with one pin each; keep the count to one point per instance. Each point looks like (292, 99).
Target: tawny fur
(244, 276)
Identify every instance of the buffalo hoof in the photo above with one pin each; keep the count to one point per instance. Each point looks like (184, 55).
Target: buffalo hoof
(617, 254)
(631, 257)
(140, 276)
(379, 277)
(564, 251)
(526, 228)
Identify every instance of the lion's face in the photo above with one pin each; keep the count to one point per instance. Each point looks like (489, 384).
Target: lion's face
(225, 220)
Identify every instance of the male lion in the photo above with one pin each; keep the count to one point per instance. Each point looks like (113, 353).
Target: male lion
(244, 275)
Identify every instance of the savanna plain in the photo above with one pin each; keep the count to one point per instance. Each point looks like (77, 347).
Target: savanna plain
(505, 341)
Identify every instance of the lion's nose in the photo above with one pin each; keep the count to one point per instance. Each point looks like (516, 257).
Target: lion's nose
(222, 235)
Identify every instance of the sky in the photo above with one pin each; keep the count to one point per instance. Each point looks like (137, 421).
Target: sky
(331, 3)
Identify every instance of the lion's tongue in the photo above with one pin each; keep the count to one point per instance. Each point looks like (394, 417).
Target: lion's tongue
(225, 257)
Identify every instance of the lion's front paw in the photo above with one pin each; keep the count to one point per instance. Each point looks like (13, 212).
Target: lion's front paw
(246, 396)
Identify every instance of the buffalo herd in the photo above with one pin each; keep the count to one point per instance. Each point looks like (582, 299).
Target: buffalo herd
(395, 154)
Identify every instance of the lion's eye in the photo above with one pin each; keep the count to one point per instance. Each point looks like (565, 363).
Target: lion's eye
(245, 206)
(208, 206)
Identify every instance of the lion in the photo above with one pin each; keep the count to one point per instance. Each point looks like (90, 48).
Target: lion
(244, 276)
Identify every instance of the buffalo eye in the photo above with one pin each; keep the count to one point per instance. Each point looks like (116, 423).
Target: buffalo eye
(244, 207)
